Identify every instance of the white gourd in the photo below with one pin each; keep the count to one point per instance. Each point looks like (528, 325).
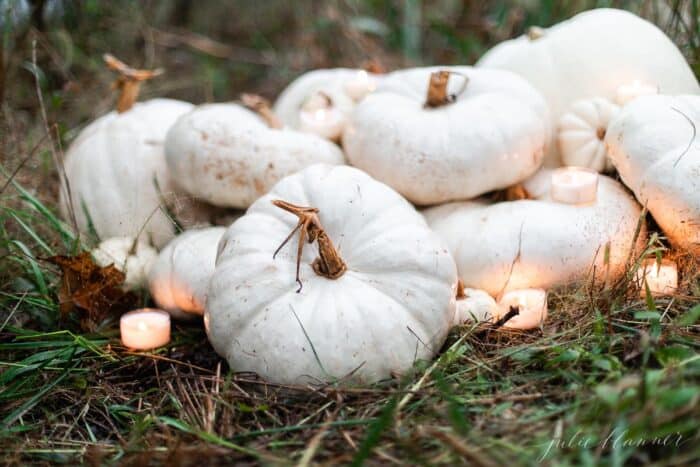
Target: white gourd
(475, 306)
(539, 243)
(654, 145)
(581, 133)
(118, 180)
(134, 259)
(227, 155)
(330, 82)
(377, 286)
(179, 278)
(591, 55)
(442, 151)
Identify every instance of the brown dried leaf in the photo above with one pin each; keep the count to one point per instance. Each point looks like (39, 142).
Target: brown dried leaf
(90, 291)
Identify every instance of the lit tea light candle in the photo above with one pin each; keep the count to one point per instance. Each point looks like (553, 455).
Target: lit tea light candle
(574, 185)
(637, 88)
(360, 85)
(327, 122)
(532, 308)
(662, 278)
(145, 329)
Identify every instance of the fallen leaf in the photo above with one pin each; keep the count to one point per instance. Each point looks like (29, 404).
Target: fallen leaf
(91, 292)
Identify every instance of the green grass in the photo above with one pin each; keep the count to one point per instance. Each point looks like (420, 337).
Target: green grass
(610, 380)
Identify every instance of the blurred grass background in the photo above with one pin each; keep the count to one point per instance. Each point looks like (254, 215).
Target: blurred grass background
(214, 50)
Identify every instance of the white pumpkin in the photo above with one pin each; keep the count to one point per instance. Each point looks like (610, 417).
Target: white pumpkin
(581, 133)
(654, 145)
(448, 150)
(539, 243)
(364, 310)
(341, 85)
(227, 155)
(180, 276)
(134, 259)
(118, 180)
(591, 55)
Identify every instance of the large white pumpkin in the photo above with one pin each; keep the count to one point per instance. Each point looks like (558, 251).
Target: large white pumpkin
(339, 84)
(227, 155)
(591, 55)
(654, 145)
(492, 136)
(179, 278)
(118, 180)
(391, 302)
(539, 243)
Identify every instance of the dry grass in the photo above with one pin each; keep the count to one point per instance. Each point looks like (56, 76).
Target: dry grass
(606, 364)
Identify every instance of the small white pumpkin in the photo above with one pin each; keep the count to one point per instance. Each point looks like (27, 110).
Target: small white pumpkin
(180, 276)
(591, 55)
(227, 155)
(539, 243)
(360, 312)
(116, 180)
(581, 133)
(134, 259)
(474, 305)
(654, 145)
(456, 143)
(343, 86)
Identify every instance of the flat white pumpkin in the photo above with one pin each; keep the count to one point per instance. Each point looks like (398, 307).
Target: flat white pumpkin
(392, 304)
(539, 243)
(654, 145)
(134, 259)
(591, 55)
(179, 278)
(454, 151)
(118, 179)
(226, 154)
(336, 83)
(581, 133)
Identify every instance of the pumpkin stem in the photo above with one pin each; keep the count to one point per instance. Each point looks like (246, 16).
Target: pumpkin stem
(129, 81)
(373, 65)
(437, 89)
(329, 264)
(460, 290)
(517, 192)
(262, 107)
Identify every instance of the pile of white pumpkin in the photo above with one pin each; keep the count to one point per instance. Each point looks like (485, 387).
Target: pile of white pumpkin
(379, 283)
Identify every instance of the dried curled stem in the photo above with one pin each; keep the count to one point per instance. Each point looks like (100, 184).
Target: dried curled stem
(329, 264)
(437, 89)
(129, 81)
(262, 107)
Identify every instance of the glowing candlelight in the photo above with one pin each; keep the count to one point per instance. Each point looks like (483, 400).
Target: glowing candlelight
(327, 122)
(662, 278)
(574, 185)
(628, 92)
(359, 86)
(145, 329)
(532, 308)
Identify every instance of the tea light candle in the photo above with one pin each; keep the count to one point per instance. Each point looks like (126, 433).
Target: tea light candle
(327, 122)
(532, 308)
(662, 278)
(574, 185)
(145, 329)
(637, 88)
(360, 85)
